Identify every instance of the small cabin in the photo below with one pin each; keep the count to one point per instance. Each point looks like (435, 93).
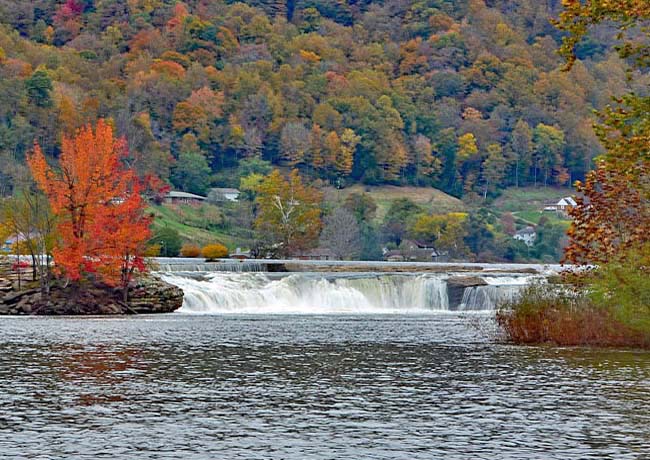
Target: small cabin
(317, 254)
(177, 197)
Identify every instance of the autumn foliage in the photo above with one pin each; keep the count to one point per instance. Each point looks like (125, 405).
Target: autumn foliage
(610, 217)
(609, 303)
(101, 221)
(190, 250)
(214, 251)
(288, 212)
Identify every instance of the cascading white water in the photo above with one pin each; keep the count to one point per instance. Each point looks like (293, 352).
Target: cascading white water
(304, 293)
(498, 289)
(201, 267)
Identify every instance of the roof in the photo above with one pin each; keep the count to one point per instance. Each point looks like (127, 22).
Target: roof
(225, 190)
(566, 201)
(526, 231)
(178, 194)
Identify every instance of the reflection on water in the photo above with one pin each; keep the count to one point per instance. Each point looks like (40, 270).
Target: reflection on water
(298, 387)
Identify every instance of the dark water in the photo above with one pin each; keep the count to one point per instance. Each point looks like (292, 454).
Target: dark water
(308, 387)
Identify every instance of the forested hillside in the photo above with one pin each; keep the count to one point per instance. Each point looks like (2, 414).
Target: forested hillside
(464, 95)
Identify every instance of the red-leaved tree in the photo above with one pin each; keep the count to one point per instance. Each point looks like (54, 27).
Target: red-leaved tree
(102, 224)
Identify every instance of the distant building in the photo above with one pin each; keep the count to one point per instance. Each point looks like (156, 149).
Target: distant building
(413, 251)
(528, 235)
(317, 254)
(561, 206)
(176, 197)
(8, 244)
(241, 255)
(223, 194)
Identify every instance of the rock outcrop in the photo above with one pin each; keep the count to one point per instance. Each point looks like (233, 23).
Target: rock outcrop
(147, 295)
(456, 286)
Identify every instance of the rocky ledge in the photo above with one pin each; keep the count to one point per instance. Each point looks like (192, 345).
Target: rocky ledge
(456, 288)
(147, 295)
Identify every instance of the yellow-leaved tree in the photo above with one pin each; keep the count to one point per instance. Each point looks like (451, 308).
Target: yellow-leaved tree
(288, 213)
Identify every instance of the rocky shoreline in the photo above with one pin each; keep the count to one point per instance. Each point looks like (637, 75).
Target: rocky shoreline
(147, 295)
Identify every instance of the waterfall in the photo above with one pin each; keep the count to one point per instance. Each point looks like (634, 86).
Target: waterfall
(498, 290)
(233, 266)
(310, 293)
(321, 293)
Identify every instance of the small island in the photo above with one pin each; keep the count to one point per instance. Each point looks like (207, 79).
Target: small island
(86, 231)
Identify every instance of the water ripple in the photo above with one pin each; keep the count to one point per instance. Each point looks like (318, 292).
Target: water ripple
(310, 387)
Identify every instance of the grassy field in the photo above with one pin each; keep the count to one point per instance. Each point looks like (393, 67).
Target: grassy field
(431, 199)
(189, 220)
(527, 203)
(533, 217)
(529, 199)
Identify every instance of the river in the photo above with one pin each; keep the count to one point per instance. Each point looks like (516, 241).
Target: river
(329, 386)
(301, 366)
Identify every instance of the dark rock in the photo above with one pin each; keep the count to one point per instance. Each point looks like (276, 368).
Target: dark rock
(456, 286)
(147, 295)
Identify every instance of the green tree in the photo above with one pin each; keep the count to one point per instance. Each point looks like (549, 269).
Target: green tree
(39, 88)
(548, 142)
(521, 144)
(362, 206)
(169, 240)
(398, 219)
(191, 172)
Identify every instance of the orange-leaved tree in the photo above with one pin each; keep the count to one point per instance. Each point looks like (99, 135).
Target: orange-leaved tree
(102, 224)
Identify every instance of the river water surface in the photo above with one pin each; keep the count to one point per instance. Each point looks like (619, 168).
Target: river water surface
(433, 386)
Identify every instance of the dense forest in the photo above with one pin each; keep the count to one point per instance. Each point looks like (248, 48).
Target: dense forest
(468, 96)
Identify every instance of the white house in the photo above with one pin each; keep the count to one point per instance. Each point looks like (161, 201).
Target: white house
(563, 205)
(223, 194)
(527, 235)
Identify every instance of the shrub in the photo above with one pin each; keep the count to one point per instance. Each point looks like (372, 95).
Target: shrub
(214, 251)
(622, 286)
(565, 316)
(153, 250)
(190, 250)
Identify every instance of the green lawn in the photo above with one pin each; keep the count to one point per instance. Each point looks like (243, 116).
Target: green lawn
(533, 217)
(529, 199)
(183, 219)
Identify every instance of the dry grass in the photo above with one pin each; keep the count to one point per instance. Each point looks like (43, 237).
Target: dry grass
(546, 315)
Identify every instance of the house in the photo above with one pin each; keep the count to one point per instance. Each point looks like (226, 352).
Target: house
(176, 197)
(413, 251)
(527, 235)
(561, 206)
(223, 194)
(565, 203)
(9, 244)
(241, 255)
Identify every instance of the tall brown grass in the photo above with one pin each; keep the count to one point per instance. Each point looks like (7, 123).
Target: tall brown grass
(561, 315)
